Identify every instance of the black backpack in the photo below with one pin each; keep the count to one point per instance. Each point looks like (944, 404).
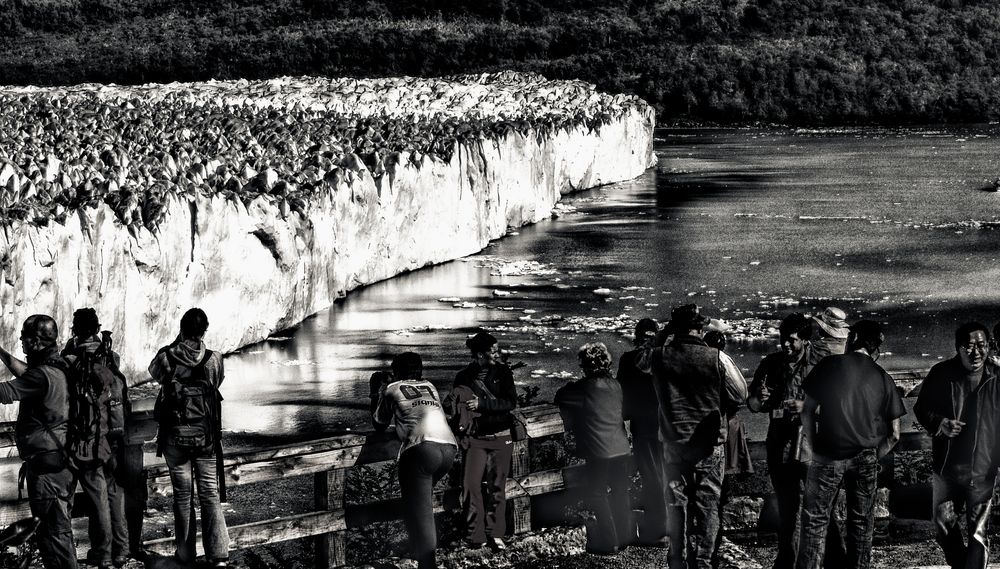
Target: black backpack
(189, 409)
(118, 402)
(91, 378)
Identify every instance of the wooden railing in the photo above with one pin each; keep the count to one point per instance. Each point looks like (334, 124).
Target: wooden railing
(328, 460)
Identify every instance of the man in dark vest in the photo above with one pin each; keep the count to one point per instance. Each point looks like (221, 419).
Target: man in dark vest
(40, 386)
(694, 385)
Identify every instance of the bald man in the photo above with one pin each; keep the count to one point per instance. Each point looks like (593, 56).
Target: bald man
(40, 432)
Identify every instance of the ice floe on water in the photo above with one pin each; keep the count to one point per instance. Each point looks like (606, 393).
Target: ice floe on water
(292, 363)
(500, 267)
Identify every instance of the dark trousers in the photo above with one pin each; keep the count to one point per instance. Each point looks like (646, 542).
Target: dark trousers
(949, 497)
(694, 488)
(116, 503)
(613, 511)
(49, 499)
(95, 489)
(420, 467)
(486, 517)
(648, 452)
(787, 478)
(858, 475)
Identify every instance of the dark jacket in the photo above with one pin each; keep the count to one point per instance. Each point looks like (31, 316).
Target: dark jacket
(639, 397)
(694, 390)
(592, 410)
(42, 391)
(782, 431)
(497, 397)
(944, 394)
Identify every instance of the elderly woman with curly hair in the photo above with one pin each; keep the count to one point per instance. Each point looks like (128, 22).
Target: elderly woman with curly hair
(591, 408)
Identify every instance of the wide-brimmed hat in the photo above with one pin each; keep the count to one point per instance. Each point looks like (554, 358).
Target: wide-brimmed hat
(833, 321)
(687, 317)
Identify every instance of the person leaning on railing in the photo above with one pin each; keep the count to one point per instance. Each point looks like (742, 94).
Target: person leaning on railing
(428, 446)
(591, 409)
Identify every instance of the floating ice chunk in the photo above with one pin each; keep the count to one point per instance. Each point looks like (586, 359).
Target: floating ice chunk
(450, 299)
(754, 263)
(501, 293)
(602, 291)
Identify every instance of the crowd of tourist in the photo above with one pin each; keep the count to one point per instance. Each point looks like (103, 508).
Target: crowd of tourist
(833, 412)
(70, 430)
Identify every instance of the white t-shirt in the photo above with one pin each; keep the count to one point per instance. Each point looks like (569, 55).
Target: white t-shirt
(416, 408)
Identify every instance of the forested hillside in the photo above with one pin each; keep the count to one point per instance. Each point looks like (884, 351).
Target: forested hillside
(792, 61)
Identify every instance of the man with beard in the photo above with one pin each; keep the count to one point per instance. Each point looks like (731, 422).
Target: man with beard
(776, 389)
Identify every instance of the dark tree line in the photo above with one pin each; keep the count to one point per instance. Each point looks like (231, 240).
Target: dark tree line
(793, 61)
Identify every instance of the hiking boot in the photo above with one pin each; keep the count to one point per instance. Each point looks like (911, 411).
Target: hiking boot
(119, 560)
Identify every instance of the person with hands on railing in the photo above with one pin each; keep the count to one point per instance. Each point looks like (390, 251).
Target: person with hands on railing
(959, 406)
(485, 388)
(428, 446)
(40, 385)
(591, 409)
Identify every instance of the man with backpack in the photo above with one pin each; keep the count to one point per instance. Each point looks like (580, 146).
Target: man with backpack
(188, 410)
(40, 385)
(98, 400)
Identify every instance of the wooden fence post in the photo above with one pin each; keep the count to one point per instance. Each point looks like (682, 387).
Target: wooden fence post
(331, 550)
(521, 506)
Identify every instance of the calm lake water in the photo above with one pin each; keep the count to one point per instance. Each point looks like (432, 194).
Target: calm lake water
(750, 224)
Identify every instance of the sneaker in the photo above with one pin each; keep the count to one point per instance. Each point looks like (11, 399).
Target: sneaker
(469, 544)
(119, 560)
(221, 564)
(497, 544)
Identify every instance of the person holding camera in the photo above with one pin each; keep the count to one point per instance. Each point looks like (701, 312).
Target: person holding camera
(484, 391)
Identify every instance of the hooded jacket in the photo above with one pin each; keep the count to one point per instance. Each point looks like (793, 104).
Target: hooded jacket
(944, 394)
(188, 353)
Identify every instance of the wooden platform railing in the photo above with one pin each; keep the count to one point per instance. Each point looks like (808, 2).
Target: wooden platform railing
(328, 460)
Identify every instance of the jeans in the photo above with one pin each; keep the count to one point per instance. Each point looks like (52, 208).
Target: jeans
(949, 496)
(648, 453)
(694, 488)
(420, 467)
(858, 474)
(49, 498)
(186, 470)
(787, 478)
(95, 487)
(481, 517)
(613, 511)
